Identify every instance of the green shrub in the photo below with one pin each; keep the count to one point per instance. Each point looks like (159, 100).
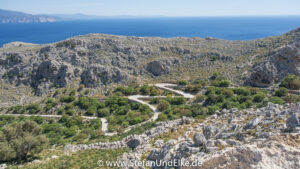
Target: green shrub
(242, 91)
(227, 92)
(183, 82)
(103, 112)
(69, 132)
(154, 100)
(214, 76)
(178, 100)
(70, 112)
(276, 100)
(221, 83)
(214, 58)
(149, 90)
(87, 102)
(33, 108)
(91, 111)
(199, 98)
(135, 120)
(281, 92)
(67, 99)
(17, 109)
(162, 117)
(61, 110)
(292, 98)
(259, 97)
(193, 88)
(163, 105)
(20, 141)
(212, 109)
(291, 82)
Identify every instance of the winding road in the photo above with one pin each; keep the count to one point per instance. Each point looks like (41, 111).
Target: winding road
(134, 98)
(140, 98)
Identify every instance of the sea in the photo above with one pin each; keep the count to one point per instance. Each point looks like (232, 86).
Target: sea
(229, 28)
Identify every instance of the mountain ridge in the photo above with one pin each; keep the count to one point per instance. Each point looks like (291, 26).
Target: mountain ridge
(99, 60)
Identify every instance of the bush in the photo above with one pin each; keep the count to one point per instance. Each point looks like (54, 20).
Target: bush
(214, 76)
(281, 92)
(183, 82)
(177, 100)
(33, 108)
(242, 91)
(221, 83)
(69, 132)
(259, 97)
(193, 88)
(227, 92)
(163, 105)
(291, 82)
(91, 111)
(17, 109)
(81, 87)
(70, 112)
(87, 102)
(67, 99)
(162, 117)
(199, 98)
(135, 120)
(149, 90)
(292, 98)
(276, 100)
(20, 141)
(103, 112)
(154, 100)
(212, 109)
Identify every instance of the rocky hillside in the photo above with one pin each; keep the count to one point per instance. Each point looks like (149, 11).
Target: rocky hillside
(98, 60)
(254, 138)
(7, 16)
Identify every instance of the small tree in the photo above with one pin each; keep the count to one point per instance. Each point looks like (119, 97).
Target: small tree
(18, 141)
(291, 82)
(281, 92)
(183, 82)
(163, 105)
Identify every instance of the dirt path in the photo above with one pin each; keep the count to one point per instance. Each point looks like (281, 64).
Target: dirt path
(139, 99)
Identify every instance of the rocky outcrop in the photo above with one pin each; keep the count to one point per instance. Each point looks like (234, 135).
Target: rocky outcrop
(101, 75)
(283, 62)
(245, 139)
(161, 66)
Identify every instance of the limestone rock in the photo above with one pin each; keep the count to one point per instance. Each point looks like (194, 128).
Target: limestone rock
(199, 139)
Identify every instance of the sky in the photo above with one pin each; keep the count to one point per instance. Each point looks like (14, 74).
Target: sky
(156, 7)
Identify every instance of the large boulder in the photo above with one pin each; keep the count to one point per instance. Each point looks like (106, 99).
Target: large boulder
(199, 139)
(254, 122)
(293, 122)
(210, 131)
(161, 66)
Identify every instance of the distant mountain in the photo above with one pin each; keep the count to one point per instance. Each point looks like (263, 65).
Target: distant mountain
(7, 16)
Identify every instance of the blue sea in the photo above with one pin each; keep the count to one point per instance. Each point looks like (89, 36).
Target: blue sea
(230, 28)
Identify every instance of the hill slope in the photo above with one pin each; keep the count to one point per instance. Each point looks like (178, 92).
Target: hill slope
(7, 16)
(98, 60)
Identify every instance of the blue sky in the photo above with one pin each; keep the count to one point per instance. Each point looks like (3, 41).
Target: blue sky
(156, 7)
